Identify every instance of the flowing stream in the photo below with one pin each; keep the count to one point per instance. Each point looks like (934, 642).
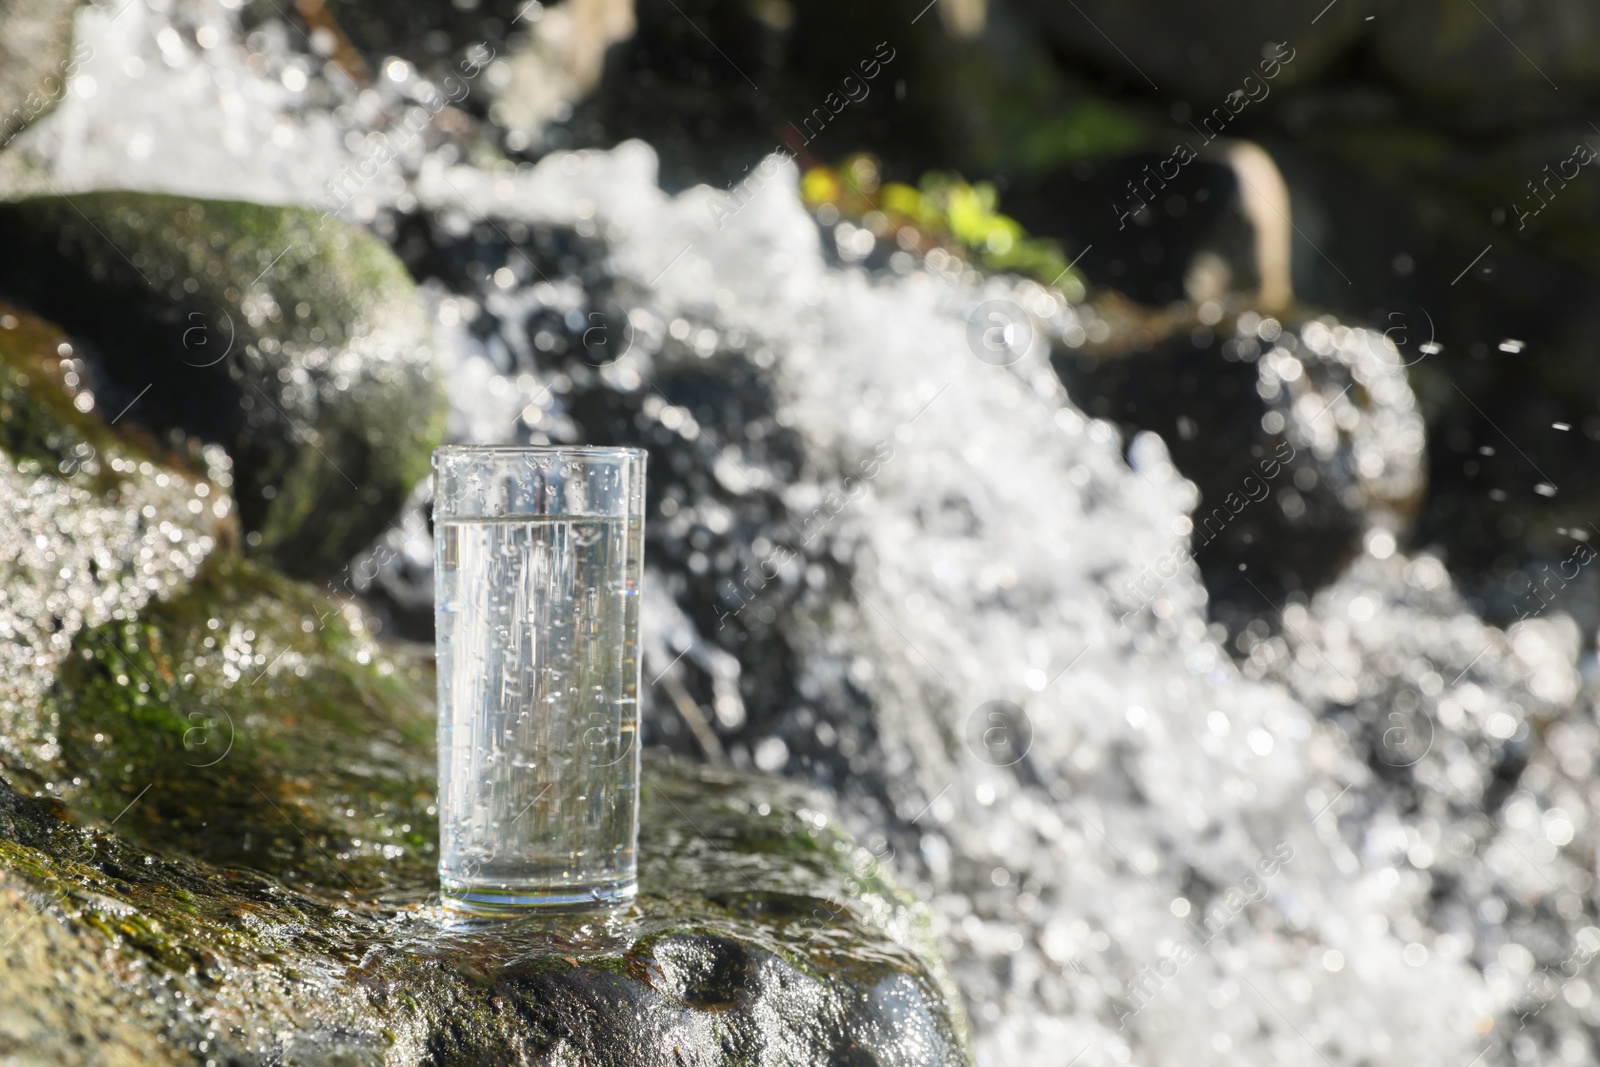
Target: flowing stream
(1359, 835)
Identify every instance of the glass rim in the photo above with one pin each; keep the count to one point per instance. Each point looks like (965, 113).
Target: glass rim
(548, 450)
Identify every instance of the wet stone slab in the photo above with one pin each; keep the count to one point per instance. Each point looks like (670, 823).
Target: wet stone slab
(762, 935)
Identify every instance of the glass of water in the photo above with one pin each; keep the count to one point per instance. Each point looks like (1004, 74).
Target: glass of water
(537, 560)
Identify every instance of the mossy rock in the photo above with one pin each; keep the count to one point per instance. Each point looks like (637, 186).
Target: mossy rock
(275, 905)
(255, 722)
(760, 937)
(295, 340)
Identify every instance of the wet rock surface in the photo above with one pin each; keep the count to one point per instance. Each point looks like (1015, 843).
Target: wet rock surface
(761, 935)
(297, 341)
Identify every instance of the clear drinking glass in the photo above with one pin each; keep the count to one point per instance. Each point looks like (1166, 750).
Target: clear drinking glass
(537, 561)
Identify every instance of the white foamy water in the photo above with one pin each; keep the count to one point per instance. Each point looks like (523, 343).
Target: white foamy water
(1155, 882)
(1195, 863)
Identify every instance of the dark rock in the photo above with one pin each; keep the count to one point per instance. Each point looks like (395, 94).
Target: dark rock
(1149, 243)
(1495, 320)
(716, 86)
(1493, 65)
(36, 59)
(429, 35)
(1302, 437)
(297, 342)
(1198, 51)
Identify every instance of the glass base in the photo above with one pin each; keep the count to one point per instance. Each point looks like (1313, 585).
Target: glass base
(499, 899)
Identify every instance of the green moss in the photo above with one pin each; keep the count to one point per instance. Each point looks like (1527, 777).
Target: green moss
(1088, 130)
(225, 246)
(943, 211)
(206, 726)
